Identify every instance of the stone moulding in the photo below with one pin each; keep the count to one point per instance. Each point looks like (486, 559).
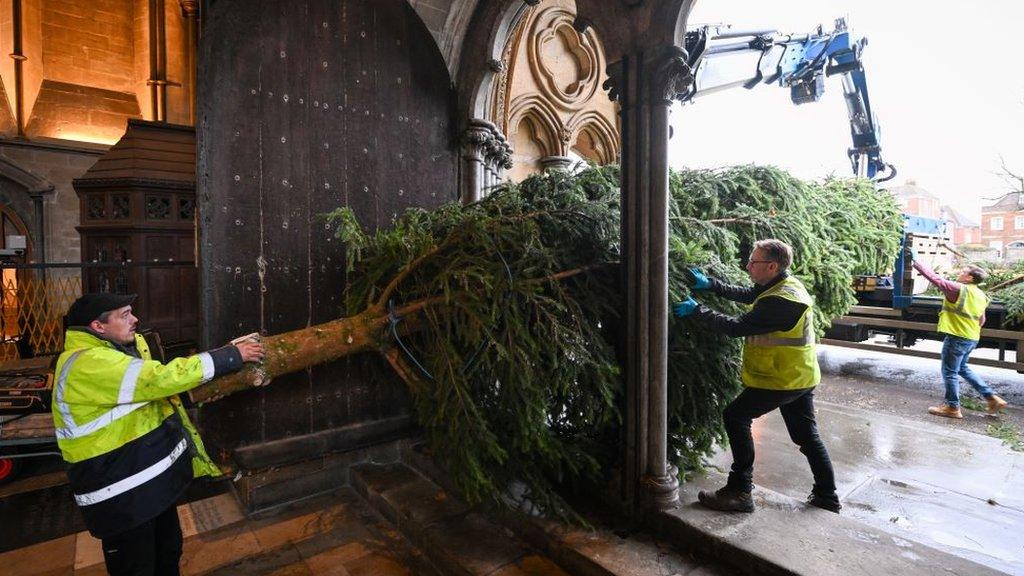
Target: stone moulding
(545, 119)
(553, 25)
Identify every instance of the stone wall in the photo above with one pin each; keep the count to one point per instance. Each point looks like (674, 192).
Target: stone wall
(58, 166)
(548, 99)
(87, 68)
(89, 43)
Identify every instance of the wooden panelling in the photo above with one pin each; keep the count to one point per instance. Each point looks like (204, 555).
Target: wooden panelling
(306, 106)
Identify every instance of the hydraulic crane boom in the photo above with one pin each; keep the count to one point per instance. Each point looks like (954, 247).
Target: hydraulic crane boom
(724, 58)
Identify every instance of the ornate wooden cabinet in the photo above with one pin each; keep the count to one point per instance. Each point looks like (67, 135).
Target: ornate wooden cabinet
(138, 209)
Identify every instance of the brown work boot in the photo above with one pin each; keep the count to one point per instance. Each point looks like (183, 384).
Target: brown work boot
(945, 410)
(727, 500)
(995, 404)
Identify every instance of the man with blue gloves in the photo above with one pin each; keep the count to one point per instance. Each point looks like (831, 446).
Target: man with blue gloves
(780, 370)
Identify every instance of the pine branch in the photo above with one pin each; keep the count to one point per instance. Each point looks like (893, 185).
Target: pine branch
(405, 272)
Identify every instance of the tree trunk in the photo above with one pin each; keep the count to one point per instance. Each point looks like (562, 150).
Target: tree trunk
(319, 344)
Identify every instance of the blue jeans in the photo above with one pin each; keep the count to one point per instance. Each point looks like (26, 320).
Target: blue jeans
(955, 351)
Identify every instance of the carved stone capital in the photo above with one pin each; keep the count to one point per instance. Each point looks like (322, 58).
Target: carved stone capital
(476, 136)
(616, 76)
(670, 74)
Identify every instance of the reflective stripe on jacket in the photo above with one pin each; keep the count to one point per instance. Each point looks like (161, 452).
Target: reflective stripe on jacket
(783, 360)
(121, 426)
(963, 317)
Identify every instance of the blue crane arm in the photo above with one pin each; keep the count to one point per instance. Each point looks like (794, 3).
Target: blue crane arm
(723, 58)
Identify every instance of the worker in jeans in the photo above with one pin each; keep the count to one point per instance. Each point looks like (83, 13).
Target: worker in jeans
(961, 319)
(780, 370)
(122, 428)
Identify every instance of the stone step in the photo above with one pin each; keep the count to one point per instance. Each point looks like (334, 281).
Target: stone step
(458, 540)
(784, 536)
(463, 541)
(334, 534)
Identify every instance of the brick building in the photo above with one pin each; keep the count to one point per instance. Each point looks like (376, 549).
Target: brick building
(963, 230)
(1002, 223)
(916, 201)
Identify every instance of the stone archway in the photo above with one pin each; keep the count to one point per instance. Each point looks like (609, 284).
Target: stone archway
(648, 69)
(24, 193)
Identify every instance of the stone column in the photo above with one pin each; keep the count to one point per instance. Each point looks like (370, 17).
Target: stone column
(190, 9)
(645, 83)
(486, 154)
(504, 160)
(17, 31)
(474, 141)
(491, 151)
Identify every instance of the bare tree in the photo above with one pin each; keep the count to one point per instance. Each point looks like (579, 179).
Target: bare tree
(1015, 180)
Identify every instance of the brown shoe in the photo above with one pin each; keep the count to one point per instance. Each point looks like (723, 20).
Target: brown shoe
(995, 404)
(945, 410)
(727, 500)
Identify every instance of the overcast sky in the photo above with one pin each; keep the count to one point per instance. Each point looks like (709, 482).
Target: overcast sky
(946, 85)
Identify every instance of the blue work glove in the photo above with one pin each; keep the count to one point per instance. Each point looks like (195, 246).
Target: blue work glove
(685, 308)
(700, 281)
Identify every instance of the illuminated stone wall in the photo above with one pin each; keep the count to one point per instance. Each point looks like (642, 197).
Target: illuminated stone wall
(549, 101)
(77, 72)
(87, 67)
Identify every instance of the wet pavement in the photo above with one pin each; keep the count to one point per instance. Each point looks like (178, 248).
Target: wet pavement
(928, 481)
(917, 373)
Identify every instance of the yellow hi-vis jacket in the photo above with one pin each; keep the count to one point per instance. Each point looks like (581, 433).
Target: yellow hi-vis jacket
(783, 360)
(963, 317)
(121, 426)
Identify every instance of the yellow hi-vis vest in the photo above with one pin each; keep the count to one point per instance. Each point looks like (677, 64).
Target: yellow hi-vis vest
(783, 360)
(123, 430)
(963, 317)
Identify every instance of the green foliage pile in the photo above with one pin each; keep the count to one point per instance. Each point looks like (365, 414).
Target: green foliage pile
(1013, 298)
(521, 347)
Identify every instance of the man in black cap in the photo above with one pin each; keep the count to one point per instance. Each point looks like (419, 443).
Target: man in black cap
(122, 428)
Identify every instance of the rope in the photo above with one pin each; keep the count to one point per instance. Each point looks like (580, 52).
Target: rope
(394, 319)
(392, 323)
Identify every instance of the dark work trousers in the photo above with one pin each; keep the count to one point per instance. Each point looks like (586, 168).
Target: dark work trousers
(152, 549)
(797, 408)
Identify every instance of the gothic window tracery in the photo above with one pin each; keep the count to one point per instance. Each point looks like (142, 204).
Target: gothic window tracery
(547, 98)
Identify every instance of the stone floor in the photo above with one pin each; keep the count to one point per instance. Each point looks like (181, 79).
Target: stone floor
(926, 482)
(335, 534)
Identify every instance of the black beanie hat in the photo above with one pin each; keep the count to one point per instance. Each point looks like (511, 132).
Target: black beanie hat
(90, 306)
